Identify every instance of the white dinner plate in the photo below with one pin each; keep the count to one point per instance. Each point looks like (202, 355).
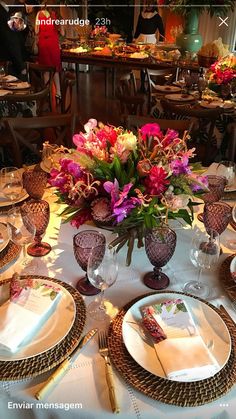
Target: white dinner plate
(56, 327)
(5, 202)
(4, 236)
(231, 188)
(4, 92)
(216, 104)
(167, 89)
(178, 97)
(9, 78)
(18, 85)
(211, 327)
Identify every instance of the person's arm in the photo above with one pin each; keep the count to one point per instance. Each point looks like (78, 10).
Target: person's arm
(138, 28)
(160, 28)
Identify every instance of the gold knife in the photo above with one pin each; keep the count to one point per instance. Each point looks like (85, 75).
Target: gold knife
(60, 371)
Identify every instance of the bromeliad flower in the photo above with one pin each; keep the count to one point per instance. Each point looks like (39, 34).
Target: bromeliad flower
(156, 182)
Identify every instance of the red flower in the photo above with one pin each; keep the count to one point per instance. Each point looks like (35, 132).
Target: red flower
(157, 182)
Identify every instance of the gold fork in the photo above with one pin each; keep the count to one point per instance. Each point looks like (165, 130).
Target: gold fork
(104, 352)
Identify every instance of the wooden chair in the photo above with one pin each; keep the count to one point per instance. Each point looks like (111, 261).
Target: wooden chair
(36, 76)
(128, 102)
(68, 93)
(40, 98)
(155, 77)
(32, 132)
(209, 115)
(128, 83)
(134, 122)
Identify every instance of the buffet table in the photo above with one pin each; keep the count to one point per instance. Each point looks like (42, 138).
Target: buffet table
(82, 392)
(114, 63)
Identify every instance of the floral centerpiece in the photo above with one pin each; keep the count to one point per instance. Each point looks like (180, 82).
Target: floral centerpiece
(127, 181)
(99, 32)
(223, 71)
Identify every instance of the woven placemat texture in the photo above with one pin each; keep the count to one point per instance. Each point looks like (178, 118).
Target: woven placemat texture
(166, 391)
(9, 254)
(36, 365)
(226, 278)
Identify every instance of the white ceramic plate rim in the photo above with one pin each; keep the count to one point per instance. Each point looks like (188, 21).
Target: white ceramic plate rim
(4, 202)
(56, 327)
(145, 354)
(176, 97)
(3, 230)
(233, 265)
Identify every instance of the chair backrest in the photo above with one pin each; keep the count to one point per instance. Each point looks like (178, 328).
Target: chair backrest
(127, 83)
(159, 76)
(134, 122)
(54, 128)
(40, 97)
(68, 93)
(41, 76)
(129, 104)
(172, 109)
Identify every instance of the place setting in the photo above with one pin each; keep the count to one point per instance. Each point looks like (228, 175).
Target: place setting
(145, 345)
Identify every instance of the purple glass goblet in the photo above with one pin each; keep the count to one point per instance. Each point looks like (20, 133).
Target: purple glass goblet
(216, 186)
(216, 216)
(34, 182)
(83, 243)
(38, 213)
(160, 245)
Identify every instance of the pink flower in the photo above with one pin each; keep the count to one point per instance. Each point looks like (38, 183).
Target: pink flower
(151, 130)
(156, 182)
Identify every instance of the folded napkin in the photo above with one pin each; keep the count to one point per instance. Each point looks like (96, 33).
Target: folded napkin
(31, 303)
(179, 347)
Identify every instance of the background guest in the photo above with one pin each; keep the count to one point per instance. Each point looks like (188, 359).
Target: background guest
(48, 44)
(11, 48)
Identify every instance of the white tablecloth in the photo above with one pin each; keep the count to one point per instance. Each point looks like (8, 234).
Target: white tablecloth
(82, 392)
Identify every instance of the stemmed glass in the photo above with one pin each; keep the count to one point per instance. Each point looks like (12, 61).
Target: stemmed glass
(83, 243)
(216, 186)
(37, 213)
(204, 254)
(35, 182)
(216, 216)
(2, 73)
(227, 169)
(102, 272)
(160, 245)
(11, 183)
(22, 231)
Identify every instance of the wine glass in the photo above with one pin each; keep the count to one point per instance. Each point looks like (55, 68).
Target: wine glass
(38, 214)
(83, 242)
(11, 183)
(2, 73)
(160, 245)
(201, 85)
(227, 169)
(216, 187)
(204, 254)
(102, 272)
(216, 216)
(22, 231)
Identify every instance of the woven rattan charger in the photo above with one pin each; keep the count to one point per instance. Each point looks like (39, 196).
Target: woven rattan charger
(36, 365)
(161, 389)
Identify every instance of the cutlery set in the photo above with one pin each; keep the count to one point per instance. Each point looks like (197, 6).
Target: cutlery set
(61, 370)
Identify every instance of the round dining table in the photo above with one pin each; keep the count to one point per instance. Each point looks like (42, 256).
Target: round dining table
(82, 392)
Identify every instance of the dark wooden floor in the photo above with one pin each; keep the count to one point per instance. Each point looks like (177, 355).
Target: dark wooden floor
(92, 102)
